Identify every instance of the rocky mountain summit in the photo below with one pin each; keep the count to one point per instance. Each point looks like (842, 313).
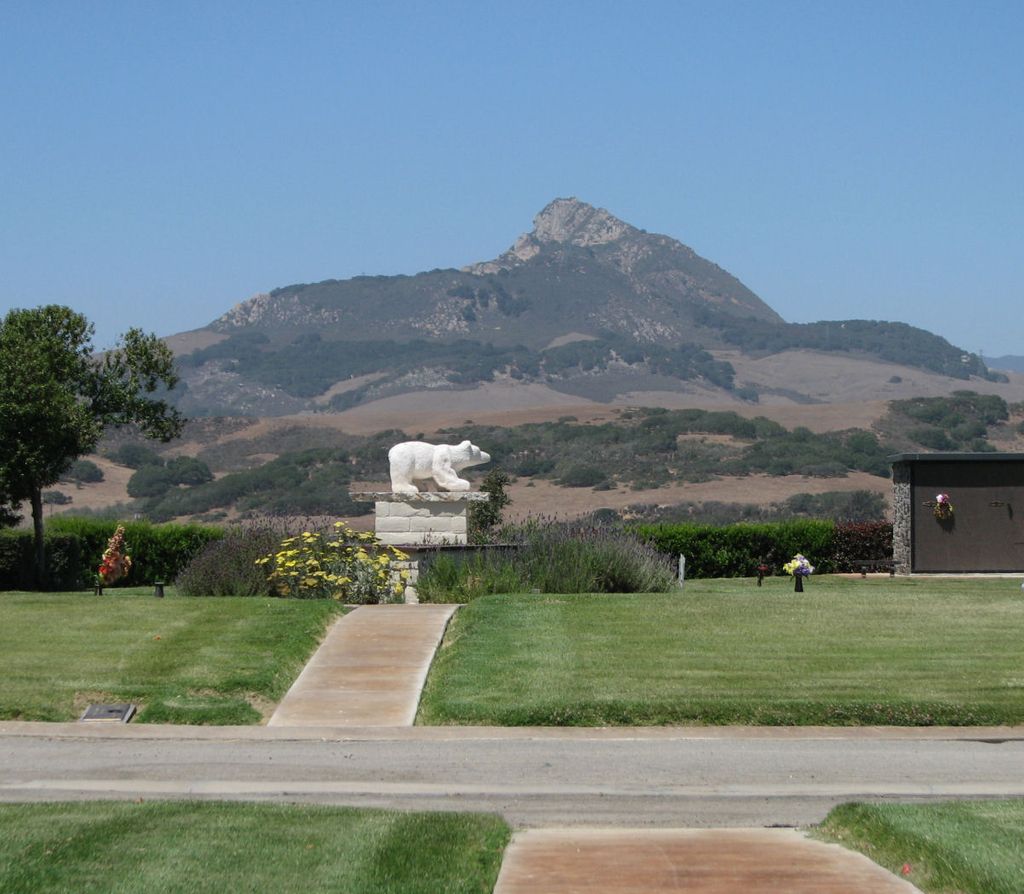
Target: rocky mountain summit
(580, 269)
(657, 265)
(568, 221)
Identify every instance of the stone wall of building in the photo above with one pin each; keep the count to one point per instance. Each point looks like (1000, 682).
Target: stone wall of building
(902, 510)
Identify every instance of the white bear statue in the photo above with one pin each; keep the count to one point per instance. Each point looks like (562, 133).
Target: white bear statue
(413, 461)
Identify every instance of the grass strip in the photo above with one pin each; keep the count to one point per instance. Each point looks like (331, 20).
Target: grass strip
(970, 847)
(905, 652)
(208, 846)
(196, 661)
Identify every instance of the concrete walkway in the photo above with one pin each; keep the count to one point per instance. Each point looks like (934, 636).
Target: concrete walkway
(698, 861)
(369, 670)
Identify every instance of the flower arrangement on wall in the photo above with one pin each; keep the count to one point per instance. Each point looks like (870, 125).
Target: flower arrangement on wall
(943, 508)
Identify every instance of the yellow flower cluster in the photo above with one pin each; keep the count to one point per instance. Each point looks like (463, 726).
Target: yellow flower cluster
(347, 565)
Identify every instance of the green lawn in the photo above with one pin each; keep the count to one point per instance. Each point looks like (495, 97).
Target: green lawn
(196, 847)
(889, 651)
(971, 847)
(185, 660)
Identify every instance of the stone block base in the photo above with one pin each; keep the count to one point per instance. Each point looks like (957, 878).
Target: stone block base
(428, 518)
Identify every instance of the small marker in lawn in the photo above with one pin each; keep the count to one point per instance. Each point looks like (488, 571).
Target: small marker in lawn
(108, 714)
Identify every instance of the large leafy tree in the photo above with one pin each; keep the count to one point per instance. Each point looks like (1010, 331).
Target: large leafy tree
(57, 397)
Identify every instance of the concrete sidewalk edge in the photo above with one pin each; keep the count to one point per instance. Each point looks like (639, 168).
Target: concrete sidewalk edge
(142, 731)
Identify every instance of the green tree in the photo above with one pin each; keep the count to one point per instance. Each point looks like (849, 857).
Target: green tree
(485, 517)
(189, 471)
(150, 481)
(135, 456)
(84, 471)
(56, 398)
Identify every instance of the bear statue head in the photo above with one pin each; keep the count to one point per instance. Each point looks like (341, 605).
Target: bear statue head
(468, 454)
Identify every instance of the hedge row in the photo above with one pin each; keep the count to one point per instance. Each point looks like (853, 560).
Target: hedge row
(159, 552)
(74, 547)
(63, 561)
(737, 550)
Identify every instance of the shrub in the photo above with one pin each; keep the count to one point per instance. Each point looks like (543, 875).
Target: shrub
(446, 577)
(840, 506)
(189, 471)
(159, 552)
(150, 481)
(737, 550)
(135, 456)
(553, 558)
(84, 471)
(156, 479)
(580, 558)
(111, 512)
(860, 542)
(302, 482)
(64, 562)
(485, 517)
(582, 476)
(958, 422)
(346, 565)
(227, 567)
(933, 438)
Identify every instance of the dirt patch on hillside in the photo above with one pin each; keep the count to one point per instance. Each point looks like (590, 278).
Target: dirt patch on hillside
(538, 497)
(196, 340)
(568, 339)
(99, 495)
(346, 385)
(839, 378)
(427, 411)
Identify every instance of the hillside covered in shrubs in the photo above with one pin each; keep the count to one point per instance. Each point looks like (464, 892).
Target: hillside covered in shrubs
(309, 470)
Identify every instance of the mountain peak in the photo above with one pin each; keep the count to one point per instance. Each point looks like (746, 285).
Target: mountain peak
(563, 221)
(576, 222)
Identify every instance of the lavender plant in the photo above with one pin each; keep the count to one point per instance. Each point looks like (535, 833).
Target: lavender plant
(227, 567)
(552, 557)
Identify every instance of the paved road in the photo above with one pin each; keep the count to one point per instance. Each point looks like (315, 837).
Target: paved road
(661, 777)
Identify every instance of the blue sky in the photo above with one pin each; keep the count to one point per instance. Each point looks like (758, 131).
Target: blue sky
(161, 161)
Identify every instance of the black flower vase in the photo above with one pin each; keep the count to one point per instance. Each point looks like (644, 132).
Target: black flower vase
(798, 585)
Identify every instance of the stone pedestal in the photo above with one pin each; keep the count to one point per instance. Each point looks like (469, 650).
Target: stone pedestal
(426, 518)
(414, 521)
